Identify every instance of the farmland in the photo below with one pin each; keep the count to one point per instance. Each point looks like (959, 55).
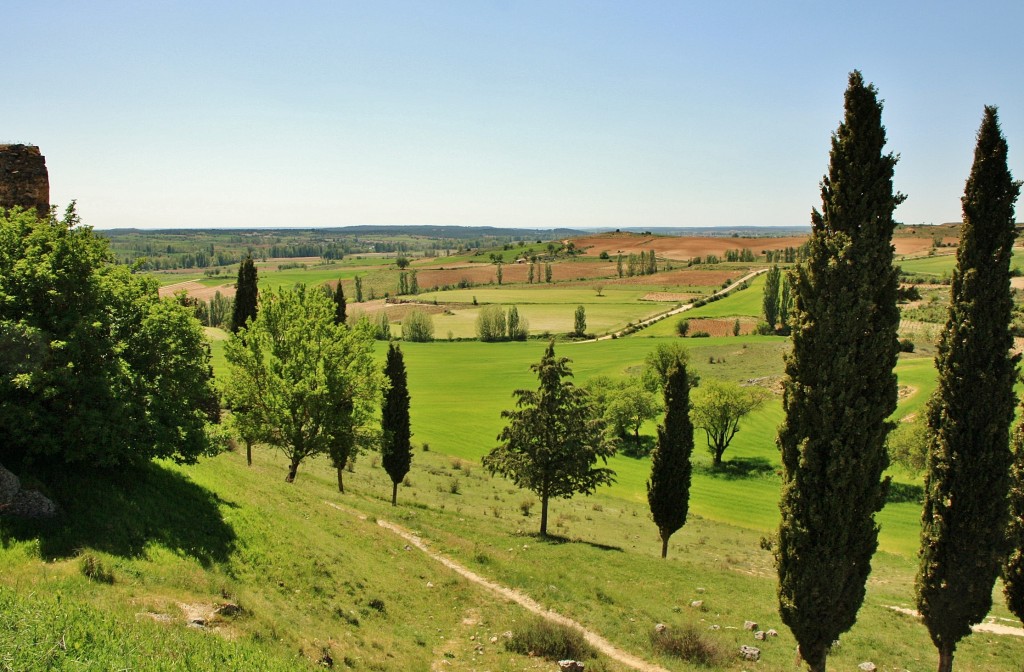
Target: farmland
(315, 575)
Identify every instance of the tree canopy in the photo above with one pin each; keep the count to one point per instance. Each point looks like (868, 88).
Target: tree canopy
(552, 440)
(668, 490)
(291, 368)
(396, 434)
(718, 407)
(839, 388)
(95, 369)
(246, 294)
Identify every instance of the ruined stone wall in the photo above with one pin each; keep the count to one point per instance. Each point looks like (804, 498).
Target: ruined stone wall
(23, 178)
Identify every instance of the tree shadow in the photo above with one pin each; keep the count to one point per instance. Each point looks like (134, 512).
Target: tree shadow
(122, 512)
(557, 539)
(738, 468)
(630, 447)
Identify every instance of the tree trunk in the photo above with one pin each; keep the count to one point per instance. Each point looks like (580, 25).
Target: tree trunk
(394, 493)
(664, 547)
(815, 660)
(717, 462)
(544, 516)
(341, 483)
(292, 469)
(248, 452)
(946, 658)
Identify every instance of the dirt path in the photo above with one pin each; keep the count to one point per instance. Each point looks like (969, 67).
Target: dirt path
(523, 600)
(989, 626)
(675, 311)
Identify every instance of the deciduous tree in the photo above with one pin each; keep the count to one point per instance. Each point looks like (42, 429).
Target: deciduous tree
(396, 434)
(718, 407)
(770, 302)
(580, 321)
(291, 370)
(417, 327)
(839, 388)
(969, 415)
(552, 440)
(668, 490)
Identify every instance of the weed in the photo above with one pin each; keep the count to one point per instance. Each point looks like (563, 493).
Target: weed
(689, 644)
(93, 569)
(525, 506)
(553, 641)
(454, 487)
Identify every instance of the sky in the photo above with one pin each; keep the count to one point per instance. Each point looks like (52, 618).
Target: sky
(504, 113)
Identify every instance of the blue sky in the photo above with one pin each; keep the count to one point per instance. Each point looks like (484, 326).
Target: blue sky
(531, 114)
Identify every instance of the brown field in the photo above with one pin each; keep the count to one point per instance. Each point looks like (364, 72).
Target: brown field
(722, 326)
(481, 274)
(198, 291)
(679, 247)
(683, 277)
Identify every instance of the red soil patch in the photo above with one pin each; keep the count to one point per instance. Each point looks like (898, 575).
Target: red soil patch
(679, 247)
(483, 274)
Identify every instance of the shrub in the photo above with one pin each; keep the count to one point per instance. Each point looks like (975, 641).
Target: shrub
(700, 334)
(906, 345)
(418, 327)
(454, 487)
(682, 326)
(525, 506)
(689, 644)
(553, 641)
(93, 569)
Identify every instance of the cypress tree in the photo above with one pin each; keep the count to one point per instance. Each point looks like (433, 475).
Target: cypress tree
(245, 294)
(668, 490)
(340, 305)
(396, 447)
(1013, 570)
(839, 387)
(969, 414)
(770, 303)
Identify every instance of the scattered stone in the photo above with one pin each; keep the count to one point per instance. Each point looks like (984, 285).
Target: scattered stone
(700, 590)
(197, 623)
(660, 627)
(494, 640)
(697, 604)
(408, 547)
(507, 634)
(867, 666)
(715, 627)
(749, 625)
(772, 633)
(570, 666)
(750, 653)
(227, 610)
(759, 635)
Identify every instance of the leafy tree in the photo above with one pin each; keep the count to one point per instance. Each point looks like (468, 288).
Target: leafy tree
(518, 326)
(291, 370)
(95, 369)
(718, 407)
(552, 439)
(418, 327)
(498, 273)
(618, 265)
(246, 293)
(547, 272)
(668, 490)
(490, 324)
(658, 362)
(630, 404)
(969, 415)
(785, 302)
(580, 321)
(382, 330)
(770, 302)
(396, 444)
(907, 445)
(682, 327)
(1013, 569)
(359, 288)
(839, 388)
(340, 306)
(402, 262)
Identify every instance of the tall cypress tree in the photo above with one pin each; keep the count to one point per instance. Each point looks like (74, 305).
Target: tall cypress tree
(969, 415)
(340, 305)
(668, 490)
(245, 294)
(839, 387)
(396, 447)
(770, 302)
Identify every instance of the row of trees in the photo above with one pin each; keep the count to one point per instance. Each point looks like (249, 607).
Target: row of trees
(840, 390)
(778, 300)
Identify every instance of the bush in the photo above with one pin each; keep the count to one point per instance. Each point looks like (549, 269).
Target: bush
(689, 644)
(682, 326)
(418, 327)
(700, 334)
(490, 324)
(553, 641)
(93, 569)
(906, 345)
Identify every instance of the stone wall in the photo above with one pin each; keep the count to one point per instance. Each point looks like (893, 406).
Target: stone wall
(23, 178)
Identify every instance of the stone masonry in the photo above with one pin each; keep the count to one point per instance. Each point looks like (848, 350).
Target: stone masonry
(23, 178)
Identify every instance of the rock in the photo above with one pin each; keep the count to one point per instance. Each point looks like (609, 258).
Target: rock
(660, 627)
(24, 180)
(867, 667)
(227, 610)
(749, 625)
(9, 486)
(31, 504)
(715, 627)
(772, 633)
(697, 604)
(750, 653)
(494, 640)
(570, 666)
(700, 590)
(759, 635)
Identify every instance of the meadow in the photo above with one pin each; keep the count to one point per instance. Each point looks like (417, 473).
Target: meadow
(113, 584)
